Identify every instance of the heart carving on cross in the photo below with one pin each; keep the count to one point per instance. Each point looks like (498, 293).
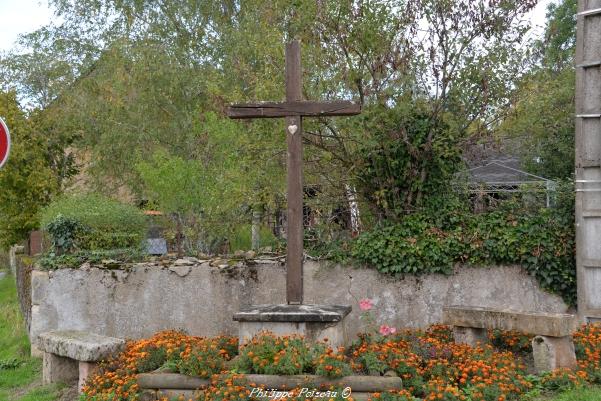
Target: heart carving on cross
(292, 129)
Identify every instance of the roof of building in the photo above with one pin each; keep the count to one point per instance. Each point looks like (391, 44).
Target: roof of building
(497, 172)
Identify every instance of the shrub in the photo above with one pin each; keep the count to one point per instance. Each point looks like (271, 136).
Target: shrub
(332, 364)
(513, 341)
(267, 354)
(64, 231)
(93, 222)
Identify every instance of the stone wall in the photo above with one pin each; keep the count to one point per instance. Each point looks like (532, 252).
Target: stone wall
(201, 297)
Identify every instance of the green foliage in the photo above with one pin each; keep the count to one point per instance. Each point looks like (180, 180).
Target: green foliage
(560, 380)
(508, 235)
(175, 184)
(333, 365)
(209, 193)
(203, 361)
(93, 222)
(513, 341)
(271, 355)
(96, 211)
(411, 155)
(28, 179)
(266, 354)
(559, 43)
(132, 80)
(540, 121)
(372, 363)
(240, 239)
(9, 364)
(64, 232)
(577, 394)
(19, 372)
(154, 357)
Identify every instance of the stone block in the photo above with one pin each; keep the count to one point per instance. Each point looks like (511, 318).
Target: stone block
(313, 322)
(470, 335)
(537, 323)
(175, 394)
(553, 352)
(334, 333)
(80, 345)
(39, 286)
(85, 369)
(58, 369)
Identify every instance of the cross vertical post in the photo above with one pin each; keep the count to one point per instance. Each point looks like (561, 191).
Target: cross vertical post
(294, 139)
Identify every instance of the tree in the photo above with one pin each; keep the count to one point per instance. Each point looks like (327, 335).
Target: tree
(541, 117)
(28, 180)
(161, 65)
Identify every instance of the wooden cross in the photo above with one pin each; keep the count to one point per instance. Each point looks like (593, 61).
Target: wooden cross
(294, 109)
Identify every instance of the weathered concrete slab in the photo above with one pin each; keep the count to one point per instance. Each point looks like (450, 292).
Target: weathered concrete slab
(293, 313)
(538, 323)
(138, 302)
(171, 380)
(79, 345)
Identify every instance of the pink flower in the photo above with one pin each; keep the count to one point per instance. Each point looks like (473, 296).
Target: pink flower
(386, 330)
(365, 304)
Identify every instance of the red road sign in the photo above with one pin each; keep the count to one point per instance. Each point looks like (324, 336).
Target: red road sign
(4, 142)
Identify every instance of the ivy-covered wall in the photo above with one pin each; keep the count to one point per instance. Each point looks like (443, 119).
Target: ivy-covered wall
(541, 240)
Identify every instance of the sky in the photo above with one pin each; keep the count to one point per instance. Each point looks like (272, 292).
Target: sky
(22, 16)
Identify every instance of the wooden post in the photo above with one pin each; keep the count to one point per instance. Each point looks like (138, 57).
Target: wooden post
(294, 259)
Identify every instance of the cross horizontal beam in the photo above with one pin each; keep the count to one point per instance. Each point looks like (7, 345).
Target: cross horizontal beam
(290, 109)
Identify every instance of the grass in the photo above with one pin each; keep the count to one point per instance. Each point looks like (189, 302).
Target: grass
(20, 375)
(577, 394)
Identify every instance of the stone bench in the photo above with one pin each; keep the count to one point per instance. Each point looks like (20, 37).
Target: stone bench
(73, 355)
(552, 346)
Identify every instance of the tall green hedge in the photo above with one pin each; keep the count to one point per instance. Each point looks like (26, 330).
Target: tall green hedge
(93, 222)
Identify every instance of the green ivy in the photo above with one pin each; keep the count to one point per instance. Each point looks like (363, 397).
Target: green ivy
(542, 241)
(63, 231)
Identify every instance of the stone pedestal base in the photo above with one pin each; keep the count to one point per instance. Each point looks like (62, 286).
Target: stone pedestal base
(553, 352)
(59, 369)
(470, 335)
(314, 322)
(85, 370)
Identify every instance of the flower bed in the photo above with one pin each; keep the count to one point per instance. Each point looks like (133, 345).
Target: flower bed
(430, 365)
